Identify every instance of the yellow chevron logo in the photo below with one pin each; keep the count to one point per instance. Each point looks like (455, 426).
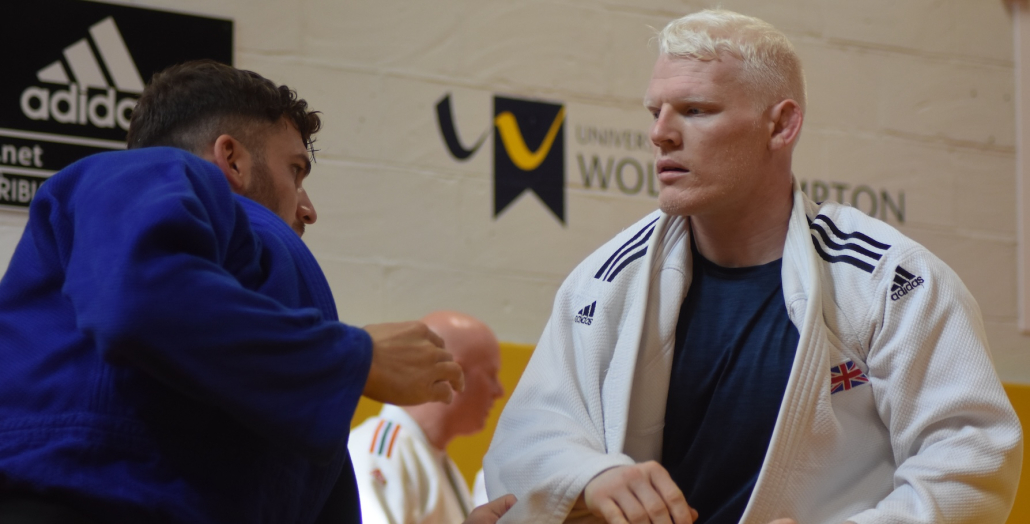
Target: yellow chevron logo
(515, 144)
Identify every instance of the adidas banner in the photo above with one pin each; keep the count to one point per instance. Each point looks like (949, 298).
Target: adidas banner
(73, 72)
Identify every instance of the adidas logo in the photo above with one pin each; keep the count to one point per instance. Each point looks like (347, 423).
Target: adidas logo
(586, 315)
(80, 103)
(904, 282)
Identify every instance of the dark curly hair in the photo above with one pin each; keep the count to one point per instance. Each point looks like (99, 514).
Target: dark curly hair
(189, 105)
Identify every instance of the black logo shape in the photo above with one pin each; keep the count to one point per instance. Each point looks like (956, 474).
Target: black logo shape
(445, 118)
(529, 150)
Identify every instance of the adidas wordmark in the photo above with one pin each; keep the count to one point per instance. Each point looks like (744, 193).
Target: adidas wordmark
(586, 315)
(904, 282)
(76, 105)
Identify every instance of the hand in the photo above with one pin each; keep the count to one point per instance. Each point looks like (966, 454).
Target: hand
(410, 366)
(783, 521)
(490, 512)
(637, 494)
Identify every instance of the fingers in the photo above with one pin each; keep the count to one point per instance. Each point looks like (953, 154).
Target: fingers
(450, 378)
(638, 494)
(410, 366)
(651, 506)
(671, 495)
(641, 504)
(502, 507)
(433, 337)
(453, 374)
(611, 512)
(490, 512)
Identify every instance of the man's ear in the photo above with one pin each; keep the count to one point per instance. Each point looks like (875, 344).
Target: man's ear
(786, 118)
(234, 160)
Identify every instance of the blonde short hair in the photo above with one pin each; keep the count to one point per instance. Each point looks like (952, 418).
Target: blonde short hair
(771, 68)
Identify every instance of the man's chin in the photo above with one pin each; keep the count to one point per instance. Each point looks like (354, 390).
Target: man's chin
(674, 207)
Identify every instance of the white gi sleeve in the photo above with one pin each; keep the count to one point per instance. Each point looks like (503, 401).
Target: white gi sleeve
(956, 440)
(550, 439)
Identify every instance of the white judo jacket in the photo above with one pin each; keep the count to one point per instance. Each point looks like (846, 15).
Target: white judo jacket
(893, 412)
(402, 478)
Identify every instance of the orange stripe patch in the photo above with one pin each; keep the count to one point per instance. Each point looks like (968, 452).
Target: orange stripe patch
(392, 439)
(376, 436)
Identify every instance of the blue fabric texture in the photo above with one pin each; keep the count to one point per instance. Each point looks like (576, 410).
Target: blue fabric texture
(170, 352)
(735, 346)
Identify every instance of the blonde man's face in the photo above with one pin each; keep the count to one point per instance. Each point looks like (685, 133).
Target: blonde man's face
(710, 141)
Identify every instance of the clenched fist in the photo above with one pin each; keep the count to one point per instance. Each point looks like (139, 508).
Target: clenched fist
(410, 366)
(637, 494)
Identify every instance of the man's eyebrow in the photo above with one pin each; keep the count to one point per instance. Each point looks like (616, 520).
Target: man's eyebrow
(685, 100)
(305, 162)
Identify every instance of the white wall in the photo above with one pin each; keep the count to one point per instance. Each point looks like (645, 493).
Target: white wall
(910, 97)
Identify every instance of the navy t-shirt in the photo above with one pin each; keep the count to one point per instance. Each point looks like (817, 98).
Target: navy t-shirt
(735, 347)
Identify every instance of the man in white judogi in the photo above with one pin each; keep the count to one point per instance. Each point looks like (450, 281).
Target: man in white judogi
(745, 354)
(404, 474)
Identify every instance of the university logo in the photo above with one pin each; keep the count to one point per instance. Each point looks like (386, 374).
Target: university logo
(88, 97)
(529, 150)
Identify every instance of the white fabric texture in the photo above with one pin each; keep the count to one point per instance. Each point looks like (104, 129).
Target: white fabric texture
(402, 479)
(479, 496)
(931, 438)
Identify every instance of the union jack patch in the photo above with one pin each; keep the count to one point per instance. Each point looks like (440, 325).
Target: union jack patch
(845, 376)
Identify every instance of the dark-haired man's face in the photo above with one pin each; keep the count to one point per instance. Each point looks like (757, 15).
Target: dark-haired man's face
(278, 176)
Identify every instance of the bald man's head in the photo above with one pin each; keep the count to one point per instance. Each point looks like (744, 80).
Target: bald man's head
(476, 349)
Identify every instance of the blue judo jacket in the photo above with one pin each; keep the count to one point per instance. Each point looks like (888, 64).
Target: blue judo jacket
(170, 352)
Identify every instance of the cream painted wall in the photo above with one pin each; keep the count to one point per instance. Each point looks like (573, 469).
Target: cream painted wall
(912, 97)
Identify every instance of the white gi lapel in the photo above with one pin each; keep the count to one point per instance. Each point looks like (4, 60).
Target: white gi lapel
(773, 495)
(637, 396)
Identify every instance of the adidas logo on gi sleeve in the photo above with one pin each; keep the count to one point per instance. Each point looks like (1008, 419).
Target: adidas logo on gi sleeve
(904, 282)
(585, 316)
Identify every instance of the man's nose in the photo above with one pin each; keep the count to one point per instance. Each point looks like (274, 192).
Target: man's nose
(305, 209)
(664, 132)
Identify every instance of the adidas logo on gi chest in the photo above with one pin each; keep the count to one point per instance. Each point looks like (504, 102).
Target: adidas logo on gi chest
(585, 316)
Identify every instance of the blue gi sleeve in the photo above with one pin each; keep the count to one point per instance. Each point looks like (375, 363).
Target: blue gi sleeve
(155, 247)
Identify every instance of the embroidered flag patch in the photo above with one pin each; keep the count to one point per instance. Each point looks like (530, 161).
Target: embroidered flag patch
(845, 376)
(383, 438)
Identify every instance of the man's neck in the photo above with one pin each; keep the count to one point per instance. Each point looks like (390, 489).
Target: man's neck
(745, 237)
(432, 424)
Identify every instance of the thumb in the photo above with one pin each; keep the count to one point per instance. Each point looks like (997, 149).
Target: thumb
(501, 506)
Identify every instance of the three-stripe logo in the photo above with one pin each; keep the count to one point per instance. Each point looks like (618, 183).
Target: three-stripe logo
(81, 70)
(634, 248)
(586, 315)
(836, 246)
(904, 282)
